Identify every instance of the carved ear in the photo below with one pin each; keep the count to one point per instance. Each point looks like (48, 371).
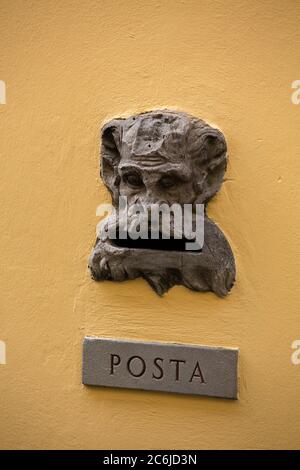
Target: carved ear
(110, 155)
(210, 159)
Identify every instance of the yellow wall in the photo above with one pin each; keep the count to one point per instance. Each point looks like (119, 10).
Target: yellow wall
(70, 65)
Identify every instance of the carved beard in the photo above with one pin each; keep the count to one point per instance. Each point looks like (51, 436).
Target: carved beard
(212, 268)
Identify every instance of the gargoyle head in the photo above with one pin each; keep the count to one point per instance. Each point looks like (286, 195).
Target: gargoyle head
(164, 157)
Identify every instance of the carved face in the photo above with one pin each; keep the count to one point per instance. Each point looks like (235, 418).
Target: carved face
(164, 157)
(162, 181)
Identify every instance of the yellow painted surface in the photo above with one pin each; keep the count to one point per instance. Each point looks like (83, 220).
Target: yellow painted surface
(68, 66)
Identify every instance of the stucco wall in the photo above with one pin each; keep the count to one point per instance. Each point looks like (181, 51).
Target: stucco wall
(68, 66)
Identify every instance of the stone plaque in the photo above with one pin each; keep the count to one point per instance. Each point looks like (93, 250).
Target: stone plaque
(165, 367)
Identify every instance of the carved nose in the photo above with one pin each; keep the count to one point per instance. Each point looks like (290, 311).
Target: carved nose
(149, 199)
(153, 196)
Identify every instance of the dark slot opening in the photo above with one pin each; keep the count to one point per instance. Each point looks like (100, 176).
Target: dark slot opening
(171, 244)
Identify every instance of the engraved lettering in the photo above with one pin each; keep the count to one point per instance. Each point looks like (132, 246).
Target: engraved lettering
(114, 361)
(143, 364)
(197, 373)
(177, 362)
(159, 367)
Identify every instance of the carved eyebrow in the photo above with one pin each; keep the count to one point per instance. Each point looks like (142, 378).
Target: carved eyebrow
(125, 168)
(179, 173)
(164, 168)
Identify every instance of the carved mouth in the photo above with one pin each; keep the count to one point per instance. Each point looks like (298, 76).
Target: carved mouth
(161, 244)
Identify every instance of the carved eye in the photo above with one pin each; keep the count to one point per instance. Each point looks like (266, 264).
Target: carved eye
(167, 182)
(133, 179)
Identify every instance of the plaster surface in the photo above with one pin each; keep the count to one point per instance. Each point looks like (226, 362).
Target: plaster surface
(71, 66)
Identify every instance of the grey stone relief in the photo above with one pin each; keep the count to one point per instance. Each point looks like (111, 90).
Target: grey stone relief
(168, 157)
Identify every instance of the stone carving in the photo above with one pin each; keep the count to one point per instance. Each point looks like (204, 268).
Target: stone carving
(168, 157)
